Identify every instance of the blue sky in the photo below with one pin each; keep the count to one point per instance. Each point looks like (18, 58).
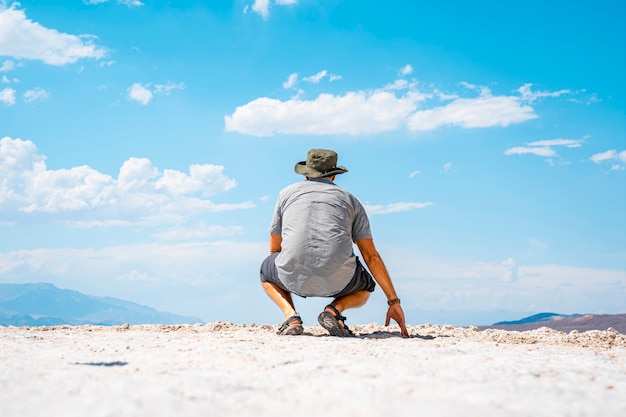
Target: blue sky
(143, 144)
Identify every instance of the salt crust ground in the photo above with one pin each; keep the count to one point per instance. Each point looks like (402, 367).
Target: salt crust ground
(223, 369)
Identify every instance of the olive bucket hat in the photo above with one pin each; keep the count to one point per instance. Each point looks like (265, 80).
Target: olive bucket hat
(320, 163)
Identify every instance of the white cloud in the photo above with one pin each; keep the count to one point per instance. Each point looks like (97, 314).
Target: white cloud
(366, 112)
(468, 85)
(7, 96)
(136, 276)
(168, 87)
(7, 66)
(530, 96)
(352, 113)
(483, 111)
(446, 167)
(198, 232)
(617, 158)
(510, 270)
(544, 148)
(291, 81)
(190, 277)
(317, 77)
(609, 155)
(397, 85)
(445, 96)
(141, 194)
(204, 179)
(137, 174)
(586, 98)
(21, 38)
(406, 70)
(144, 94)
(444, 283)
(36, 94)
(568, 143)
(262, 7)
(129, 3)
(139, 93)
(414, 173)
(536, 150)
(394, 207)
(186, 277)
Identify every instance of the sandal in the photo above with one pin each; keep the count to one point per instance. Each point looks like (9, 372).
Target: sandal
(331, 323)
(288, 329)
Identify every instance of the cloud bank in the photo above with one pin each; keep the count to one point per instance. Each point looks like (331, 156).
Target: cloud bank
(400, 105)
(21, 38)
(82, 196)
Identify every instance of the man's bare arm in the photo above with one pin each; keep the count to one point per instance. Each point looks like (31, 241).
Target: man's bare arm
(276, 243)
(376, 266)
(379, 271)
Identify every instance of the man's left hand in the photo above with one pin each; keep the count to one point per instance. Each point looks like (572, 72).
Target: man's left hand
(395, 312)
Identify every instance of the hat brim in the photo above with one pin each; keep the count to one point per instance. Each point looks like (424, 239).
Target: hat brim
(302, 169)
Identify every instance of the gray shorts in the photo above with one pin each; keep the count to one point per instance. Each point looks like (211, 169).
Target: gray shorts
(361, 280)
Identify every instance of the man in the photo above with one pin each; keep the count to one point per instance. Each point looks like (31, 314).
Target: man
(312, 232)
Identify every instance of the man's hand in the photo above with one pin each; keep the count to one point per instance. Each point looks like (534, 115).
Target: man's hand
(395, 312)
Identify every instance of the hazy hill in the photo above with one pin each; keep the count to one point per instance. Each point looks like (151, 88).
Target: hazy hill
(44, 304)
(565, 323)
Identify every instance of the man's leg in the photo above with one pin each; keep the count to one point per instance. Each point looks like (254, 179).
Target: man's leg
(274, 288)
(355, 300)
(281, 298)
(355, 294)
(331, 318)
(292, 325)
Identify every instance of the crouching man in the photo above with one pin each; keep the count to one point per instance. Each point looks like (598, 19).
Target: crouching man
(314, 226)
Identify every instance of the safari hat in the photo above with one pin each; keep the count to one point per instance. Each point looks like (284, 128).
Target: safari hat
(320, 163)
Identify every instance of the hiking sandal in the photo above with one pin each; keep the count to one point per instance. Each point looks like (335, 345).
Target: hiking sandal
(288, 329)
(331, 323)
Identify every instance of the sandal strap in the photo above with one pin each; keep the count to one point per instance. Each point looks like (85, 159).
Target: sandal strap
(338, 315)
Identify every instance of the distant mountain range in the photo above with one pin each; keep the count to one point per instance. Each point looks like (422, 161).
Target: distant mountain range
(43, 304)
(565, 323)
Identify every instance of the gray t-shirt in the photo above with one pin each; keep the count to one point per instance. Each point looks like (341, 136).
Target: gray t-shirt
(318, 222)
